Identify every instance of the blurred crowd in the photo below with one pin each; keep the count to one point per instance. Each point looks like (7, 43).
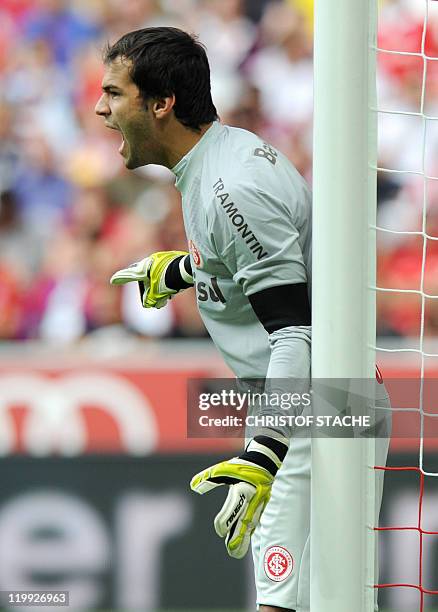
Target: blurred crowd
(70, 214)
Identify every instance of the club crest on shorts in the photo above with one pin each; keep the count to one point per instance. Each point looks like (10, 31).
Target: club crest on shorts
(278, 563)
(197, 260)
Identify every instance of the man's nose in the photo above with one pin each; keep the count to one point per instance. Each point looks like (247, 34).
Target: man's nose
(102, 107)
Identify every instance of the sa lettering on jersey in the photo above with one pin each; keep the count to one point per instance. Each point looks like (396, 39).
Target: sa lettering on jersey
(212, 291)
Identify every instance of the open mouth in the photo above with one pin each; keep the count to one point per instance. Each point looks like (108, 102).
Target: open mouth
(122, 144)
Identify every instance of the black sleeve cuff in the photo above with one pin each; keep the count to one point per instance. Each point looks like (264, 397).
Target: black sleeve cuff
(282, 306)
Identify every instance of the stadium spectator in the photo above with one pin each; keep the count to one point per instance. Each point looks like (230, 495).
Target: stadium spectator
(61, 177)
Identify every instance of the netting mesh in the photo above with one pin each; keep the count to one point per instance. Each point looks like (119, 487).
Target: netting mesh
(407, 224)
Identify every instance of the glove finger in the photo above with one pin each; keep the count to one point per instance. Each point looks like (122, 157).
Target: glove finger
(136, 272)
(210, 478)
(121, 277)
(151, 303)
(235, 505)
(230, 472)
(239, 538)
(201, 484)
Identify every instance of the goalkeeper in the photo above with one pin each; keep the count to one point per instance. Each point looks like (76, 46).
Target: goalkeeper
(247, 216)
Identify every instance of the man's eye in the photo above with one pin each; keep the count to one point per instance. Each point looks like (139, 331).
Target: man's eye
(113, 94)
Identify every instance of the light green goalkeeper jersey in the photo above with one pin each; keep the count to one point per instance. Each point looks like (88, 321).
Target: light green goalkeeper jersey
(247, 216)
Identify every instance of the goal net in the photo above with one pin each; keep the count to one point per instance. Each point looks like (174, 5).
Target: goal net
(350, 167)
(407, 290)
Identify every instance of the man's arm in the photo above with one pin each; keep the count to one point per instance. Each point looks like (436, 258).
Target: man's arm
(266, 260)
(285, 313)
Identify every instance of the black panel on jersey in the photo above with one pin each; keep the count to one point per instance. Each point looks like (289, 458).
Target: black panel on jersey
(282, 306)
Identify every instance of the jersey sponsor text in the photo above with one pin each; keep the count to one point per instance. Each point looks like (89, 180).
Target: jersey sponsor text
(238, 220)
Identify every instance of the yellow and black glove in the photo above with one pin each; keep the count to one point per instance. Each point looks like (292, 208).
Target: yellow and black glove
(249, 477)
(152, 273)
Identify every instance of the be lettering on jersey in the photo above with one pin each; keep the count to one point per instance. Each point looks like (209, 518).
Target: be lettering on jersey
(238, 220)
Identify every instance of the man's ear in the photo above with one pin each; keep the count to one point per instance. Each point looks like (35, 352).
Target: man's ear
(162, 107)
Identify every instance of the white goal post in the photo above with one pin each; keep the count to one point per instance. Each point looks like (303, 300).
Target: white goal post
(343, 306)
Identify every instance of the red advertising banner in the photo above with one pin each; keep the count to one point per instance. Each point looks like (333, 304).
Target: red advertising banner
(138, 405)
(97, 408)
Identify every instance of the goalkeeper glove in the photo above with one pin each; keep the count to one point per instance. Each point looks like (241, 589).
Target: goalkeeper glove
(150, 273)
(250, 477)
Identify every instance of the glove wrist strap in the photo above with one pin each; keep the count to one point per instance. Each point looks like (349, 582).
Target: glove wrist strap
(185, 270)
(176, 276)
(266, 452)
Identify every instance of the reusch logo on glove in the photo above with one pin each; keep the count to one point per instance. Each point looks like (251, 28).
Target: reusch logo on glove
(278, 563)
(236, 509)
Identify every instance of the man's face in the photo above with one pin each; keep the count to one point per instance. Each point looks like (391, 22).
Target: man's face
(124, 110)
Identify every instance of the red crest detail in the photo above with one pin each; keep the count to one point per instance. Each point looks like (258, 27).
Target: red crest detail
(278, 563)
(197, 260)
